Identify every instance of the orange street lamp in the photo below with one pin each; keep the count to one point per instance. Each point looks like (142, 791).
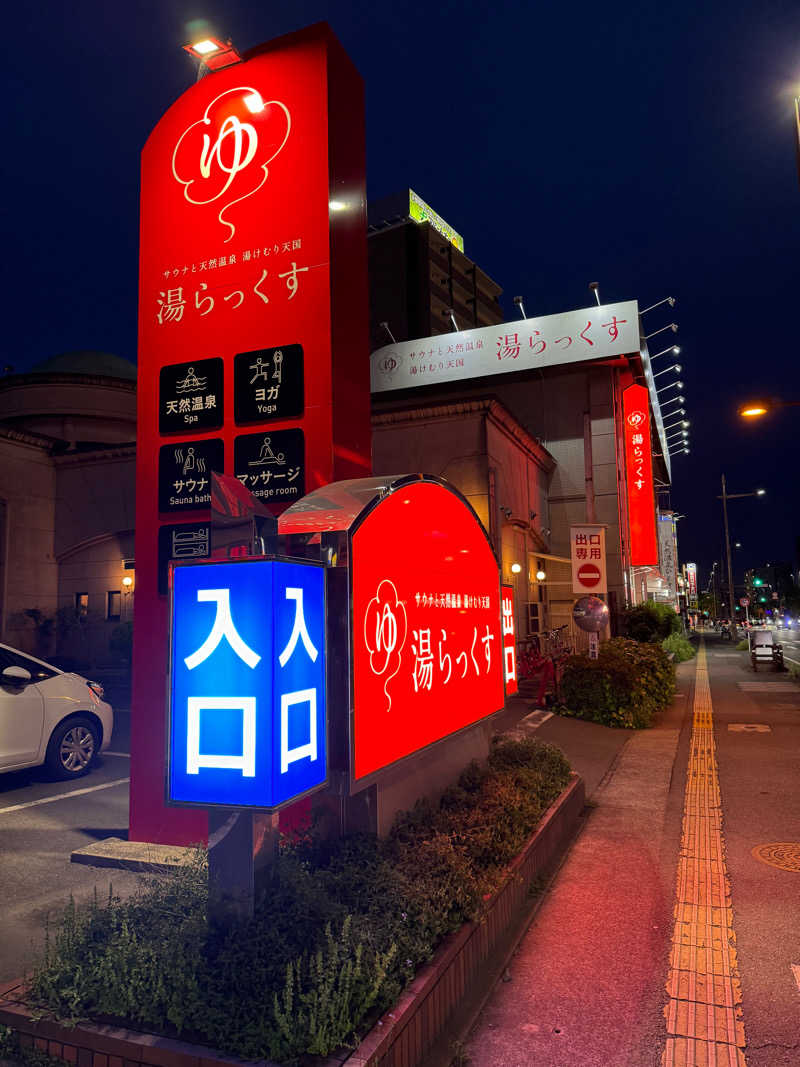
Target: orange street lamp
(756, 408)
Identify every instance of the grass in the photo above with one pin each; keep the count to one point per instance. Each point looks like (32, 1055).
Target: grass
(340, 928)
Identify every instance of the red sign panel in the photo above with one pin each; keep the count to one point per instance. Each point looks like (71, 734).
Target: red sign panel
(427, 642)
(509, 640)
(253, 328)
(589, 574)
(639, 476)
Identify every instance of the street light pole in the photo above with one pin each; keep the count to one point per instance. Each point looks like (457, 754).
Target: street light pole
(726, 496)
(730, 564)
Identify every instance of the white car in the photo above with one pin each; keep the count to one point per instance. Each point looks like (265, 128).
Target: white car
(49, 717)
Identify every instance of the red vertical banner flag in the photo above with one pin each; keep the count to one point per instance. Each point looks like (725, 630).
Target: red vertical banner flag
(639, 476)
(509, 640)
(253, 330)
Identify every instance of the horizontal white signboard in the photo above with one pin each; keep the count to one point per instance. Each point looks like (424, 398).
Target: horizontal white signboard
(526, 344)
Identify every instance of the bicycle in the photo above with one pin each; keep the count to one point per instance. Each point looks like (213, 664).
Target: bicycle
(558, 652)
(550, 664)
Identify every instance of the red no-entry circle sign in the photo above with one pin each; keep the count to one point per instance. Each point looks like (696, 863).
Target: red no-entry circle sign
(589, 575)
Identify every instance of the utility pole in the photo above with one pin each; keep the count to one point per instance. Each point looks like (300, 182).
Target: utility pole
(730, 564)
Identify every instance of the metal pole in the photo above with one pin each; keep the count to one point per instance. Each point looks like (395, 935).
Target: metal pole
(730, 565)
(588, 459)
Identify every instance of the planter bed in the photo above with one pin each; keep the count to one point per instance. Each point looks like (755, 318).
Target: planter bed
(424, 1014)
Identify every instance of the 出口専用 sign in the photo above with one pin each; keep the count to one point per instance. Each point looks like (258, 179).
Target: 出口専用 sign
(587, 550)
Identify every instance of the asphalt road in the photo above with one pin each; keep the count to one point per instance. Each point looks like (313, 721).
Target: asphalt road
(790, 639)
(41, 822)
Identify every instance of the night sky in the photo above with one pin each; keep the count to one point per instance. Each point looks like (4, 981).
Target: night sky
(647, 146)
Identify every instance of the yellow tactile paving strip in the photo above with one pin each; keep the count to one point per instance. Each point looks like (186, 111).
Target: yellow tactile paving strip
(703, 1012)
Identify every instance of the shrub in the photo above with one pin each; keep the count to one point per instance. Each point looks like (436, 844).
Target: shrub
(680, 647)
(651, 622)
(339, 930)
(742, 646)
(121, 641)
(626, 685)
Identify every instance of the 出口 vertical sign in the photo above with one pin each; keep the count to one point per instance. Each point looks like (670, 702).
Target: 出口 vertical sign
(253, 327)
(587, 550)
(509, 639)
(639, 476)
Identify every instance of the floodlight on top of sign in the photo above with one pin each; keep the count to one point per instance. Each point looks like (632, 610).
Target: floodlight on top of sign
(213, 52)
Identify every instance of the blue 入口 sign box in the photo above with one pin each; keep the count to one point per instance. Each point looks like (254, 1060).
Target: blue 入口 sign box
(247, 722)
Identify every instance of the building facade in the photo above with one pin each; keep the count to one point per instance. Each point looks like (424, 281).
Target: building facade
(420, 282)
(67, 489)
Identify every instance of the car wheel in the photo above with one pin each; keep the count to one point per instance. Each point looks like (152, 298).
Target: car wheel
(72, 748)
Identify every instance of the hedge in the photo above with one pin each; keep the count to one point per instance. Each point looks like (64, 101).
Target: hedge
(626, 685)
(340, 927)
(680, 647)
(651, 621)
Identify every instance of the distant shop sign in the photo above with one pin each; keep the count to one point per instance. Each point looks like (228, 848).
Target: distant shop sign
(691, 584)
(666, 552)
(587, 546)
(419, 211)
(591, 334)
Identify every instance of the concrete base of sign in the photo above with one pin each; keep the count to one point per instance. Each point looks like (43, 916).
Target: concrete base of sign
(425, 774)
(132, 855)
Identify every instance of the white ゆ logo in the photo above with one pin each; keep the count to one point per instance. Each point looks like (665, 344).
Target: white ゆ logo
(218, 157)
(236, 132)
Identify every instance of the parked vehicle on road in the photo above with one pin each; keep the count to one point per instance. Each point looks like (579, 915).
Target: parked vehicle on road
(765, 648)
(50, 717)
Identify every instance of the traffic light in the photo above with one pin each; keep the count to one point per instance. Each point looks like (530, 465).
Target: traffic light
(757, 581)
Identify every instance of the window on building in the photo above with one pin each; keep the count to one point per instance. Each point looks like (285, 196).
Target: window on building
(81, 605)
(533, 619)
(113, 605)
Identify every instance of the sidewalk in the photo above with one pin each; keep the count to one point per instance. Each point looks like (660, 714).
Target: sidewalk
(586, 985)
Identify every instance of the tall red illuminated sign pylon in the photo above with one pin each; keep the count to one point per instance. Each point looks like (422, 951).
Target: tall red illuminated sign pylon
(639, 476)
(253, 330)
